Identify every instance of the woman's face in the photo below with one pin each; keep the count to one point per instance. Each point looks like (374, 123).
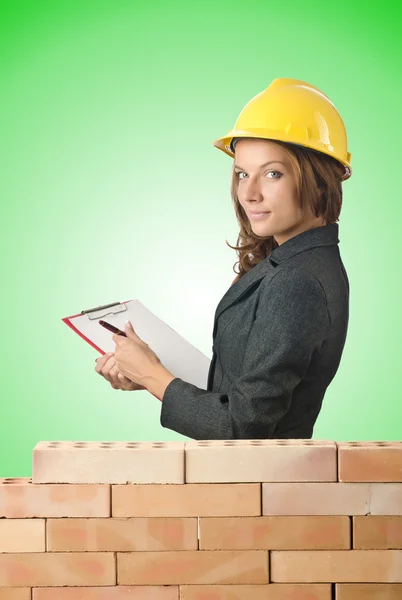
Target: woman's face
(270, 188)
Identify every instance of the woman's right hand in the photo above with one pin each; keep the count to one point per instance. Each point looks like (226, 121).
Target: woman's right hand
(106, 366)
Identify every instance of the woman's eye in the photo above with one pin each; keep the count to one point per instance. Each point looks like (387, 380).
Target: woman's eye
(278, 172)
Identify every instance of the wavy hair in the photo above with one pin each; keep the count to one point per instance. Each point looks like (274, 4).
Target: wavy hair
(318, 183)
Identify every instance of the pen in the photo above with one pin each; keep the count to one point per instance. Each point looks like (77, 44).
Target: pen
(112, 328)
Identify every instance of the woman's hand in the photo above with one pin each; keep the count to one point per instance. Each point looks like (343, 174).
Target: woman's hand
(106, 366)
(134, 358)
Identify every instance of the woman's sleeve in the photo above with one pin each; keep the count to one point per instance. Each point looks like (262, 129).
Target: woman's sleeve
(291, 322)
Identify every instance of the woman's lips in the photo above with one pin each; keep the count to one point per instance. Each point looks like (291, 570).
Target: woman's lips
(258, 216)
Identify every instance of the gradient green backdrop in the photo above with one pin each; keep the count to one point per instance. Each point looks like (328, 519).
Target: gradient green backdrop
(111, 189)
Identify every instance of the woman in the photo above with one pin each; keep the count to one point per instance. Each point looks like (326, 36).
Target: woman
(280, 329)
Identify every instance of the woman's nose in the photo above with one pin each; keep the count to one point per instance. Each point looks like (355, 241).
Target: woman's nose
(252, 192)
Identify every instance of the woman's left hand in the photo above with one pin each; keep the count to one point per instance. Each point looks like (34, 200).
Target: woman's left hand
(134, 358)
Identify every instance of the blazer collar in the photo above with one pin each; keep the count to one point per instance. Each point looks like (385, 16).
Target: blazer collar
(326, 235)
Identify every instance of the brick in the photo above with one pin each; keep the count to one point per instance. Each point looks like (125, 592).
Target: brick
(374, 532)
(216, 461)
(341, 566)
(370, 461)
(386, 499)
(122, 535)
(274, 591)
(275, 533)
(22, 535)
(167, 568)
(7, 593)
(22, 499)
(368, 591)
(315, 498)
(108, 462)
(117, 592)
(53, 568)
(188, 500)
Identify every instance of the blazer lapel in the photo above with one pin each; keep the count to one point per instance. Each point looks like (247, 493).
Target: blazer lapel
(234, 293)
(238, 289)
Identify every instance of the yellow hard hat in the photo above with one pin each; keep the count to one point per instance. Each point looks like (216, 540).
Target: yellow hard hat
(296, 112)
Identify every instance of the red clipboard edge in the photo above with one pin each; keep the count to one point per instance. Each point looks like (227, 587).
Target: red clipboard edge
(84, 337)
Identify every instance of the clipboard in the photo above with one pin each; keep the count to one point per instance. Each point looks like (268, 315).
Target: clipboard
(177, 355)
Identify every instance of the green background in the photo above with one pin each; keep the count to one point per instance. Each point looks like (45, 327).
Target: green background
(111, 189)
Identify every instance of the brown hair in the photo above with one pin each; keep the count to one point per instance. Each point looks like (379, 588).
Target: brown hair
(318, 182)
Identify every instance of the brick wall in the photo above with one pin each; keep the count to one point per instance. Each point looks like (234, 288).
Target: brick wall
(205, 520)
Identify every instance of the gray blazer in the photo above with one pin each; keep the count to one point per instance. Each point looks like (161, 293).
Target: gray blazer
(278, 338)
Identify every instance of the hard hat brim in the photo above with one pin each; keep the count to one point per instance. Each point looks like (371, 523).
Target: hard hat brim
(224, 143)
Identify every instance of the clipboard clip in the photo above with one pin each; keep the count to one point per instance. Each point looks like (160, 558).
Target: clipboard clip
(101, 311)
